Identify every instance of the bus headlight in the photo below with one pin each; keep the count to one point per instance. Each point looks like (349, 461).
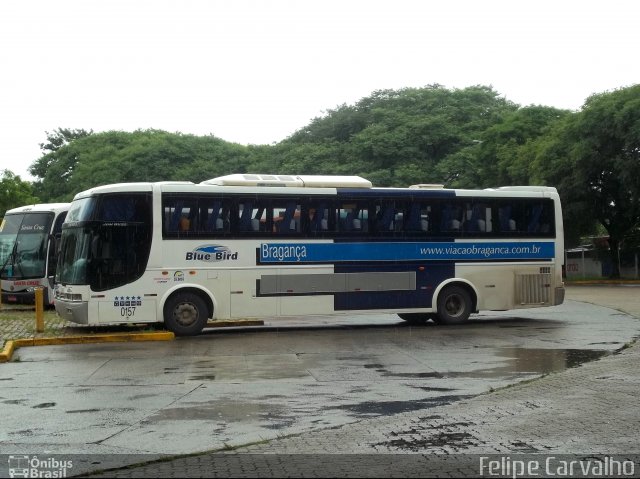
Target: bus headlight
(68, 297)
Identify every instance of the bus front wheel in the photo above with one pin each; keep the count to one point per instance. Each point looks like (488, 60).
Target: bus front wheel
(454, 305)
(185, 314)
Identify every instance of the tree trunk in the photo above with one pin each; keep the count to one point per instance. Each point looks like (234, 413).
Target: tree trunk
(614, 252)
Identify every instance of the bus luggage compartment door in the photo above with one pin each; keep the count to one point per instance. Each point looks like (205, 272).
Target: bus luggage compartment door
(244, 301)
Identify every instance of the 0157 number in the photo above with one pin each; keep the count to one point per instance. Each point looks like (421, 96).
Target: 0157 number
(128, 311)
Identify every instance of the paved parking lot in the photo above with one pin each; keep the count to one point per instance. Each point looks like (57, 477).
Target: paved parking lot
(362, 391)
(585, 415)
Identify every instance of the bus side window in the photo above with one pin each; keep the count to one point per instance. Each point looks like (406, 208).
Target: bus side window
(353, 218)
(184, 224)
(175, 213)
(286, 218)
(507, 223)
(322, 218)
(385, 217)
(188, 221)
(244, 222)
(547, 218)
(539, 218)
(259, 220)
(479, 219)
(315, 219)
(534, 211)
(211, 215)
(325, 219)
(180, 216)
(398, 222)
(351, 221)
(419, 218)
(451, 218)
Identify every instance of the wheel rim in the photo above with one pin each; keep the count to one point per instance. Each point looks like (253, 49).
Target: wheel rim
(185, 314)
(454, 305)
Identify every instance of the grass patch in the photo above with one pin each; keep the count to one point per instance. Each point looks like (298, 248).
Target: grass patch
(18, 323)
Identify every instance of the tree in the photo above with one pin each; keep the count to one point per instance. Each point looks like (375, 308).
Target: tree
(14, 192)
(608, 156)
(499, 156)
(144, 155)
(61, 137)
(392, 137)
(400, 137)
(595, 159)
(58, 161)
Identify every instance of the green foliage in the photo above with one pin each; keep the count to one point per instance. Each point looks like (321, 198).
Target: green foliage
(14, 192)
(149, 155)
(608, 154)
(594, 158)
(413, 135)
(61, 137)
(502, 155)
(464, 138)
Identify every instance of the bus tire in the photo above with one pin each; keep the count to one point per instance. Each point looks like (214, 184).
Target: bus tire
(415, 318)
(185, 314)
(454, 305)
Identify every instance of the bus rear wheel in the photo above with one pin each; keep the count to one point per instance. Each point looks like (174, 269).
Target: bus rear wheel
(454, 305)
(185, 314)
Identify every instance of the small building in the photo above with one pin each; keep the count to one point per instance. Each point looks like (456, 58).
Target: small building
(593, 261)
(582, 262)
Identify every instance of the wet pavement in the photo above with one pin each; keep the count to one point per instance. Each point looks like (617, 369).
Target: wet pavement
(370, 381)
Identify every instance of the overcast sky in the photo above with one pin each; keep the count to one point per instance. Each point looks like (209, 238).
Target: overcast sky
(253, 71)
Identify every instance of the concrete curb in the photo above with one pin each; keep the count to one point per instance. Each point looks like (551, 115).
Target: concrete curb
(12, 345)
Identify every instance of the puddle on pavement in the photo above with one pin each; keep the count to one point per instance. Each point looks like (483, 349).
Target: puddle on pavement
(538, 360)
(227, 411)
(388, 408)
(531, 361)
(273, 412)
(514, 361)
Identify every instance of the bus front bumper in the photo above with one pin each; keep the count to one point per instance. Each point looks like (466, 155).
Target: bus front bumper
(22, 297)
(74, 311)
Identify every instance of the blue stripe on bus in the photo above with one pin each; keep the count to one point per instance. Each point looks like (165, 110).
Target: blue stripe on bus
(427, 279)
(271, 253)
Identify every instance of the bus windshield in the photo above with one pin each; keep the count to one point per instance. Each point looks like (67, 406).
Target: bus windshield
(23, 245)
(105, 245)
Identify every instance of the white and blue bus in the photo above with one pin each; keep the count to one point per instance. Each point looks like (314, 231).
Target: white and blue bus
(29, 238)
(250, 246)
